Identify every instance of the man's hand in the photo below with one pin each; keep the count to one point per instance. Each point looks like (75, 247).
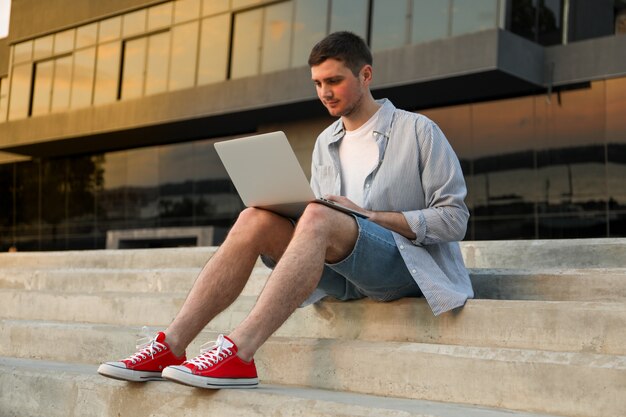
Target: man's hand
(391, 220)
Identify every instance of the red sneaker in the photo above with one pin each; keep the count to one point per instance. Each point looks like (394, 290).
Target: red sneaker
(216, 367)
(146, 364)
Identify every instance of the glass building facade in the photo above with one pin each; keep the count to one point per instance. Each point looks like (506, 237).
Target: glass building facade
(549, 165)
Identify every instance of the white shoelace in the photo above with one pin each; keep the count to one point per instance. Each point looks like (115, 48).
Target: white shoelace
(146, 346)
(211, 355)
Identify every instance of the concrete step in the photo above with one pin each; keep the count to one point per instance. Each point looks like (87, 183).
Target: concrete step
(592, 284)
(557, 326)
(557, 253)
(131, 280)
(572, 384)
(61, 390)
(569, 253)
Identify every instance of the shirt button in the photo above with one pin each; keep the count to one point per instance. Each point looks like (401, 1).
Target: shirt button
(367, 185)
(413, 271)
(401, 246)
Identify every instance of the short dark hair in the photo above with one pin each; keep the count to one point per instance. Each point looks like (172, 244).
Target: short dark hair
(342, 46)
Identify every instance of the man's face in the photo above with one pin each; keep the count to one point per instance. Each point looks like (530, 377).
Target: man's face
(339, 90)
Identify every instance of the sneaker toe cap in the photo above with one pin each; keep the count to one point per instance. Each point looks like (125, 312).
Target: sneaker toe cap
(178, 368)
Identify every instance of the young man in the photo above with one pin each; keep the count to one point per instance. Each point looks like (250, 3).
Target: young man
(394, 166)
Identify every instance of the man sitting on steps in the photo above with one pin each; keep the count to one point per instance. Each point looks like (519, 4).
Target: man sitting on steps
(394, 166)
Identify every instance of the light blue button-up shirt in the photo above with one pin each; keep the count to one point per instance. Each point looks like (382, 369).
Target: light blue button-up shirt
(419, 175)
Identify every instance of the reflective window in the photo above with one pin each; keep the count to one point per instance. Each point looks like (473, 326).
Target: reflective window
(615, 91)
(277, 37)
(309, 27)
(185, 10)
(210, 7)
(86, 35)
(4, 98)
(183, 56)
(61, 86)
(429, 20)
(107, 73)
(82, 82)
(43, 87)
(134, 68)
(246, 43)
(473, 15)
(64, 41)
(160, 16)
(350, 15)
(110, 29)
(237, 4)
(23, 52)
(157, 65)
(539, 21)
(134, 23)
(213, 61)
(389, 25)
(43, 47)
(20, 91)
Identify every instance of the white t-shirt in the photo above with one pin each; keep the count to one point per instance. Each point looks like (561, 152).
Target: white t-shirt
(358, 154)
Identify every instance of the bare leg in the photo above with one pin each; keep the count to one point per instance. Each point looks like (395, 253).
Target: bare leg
(223, 278)
(322, 234)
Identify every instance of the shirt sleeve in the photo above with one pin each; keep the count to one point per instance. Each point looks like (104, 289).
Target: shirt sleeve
(315, 181)
(445, 217)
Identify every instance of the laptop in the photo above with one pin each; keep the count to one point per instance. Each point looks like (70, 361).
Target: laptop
(267, 175)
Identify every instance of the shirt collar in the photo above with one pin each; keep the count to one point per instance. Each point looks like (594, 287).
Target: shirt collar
(383, 124)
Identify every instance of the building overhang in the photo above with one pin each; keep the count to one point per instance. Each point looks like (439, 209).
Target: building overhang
(481, 66)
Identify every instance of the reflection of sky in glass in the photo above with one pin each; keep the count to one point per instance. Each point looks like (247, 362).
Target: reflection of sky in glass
(171, 164)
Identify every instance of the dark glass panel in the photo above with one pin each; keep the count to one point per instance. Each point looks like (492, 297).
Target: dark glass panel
(107, 73)
(61, 84)
(64, 41)
(350, 15)
(82, 84)
(176, 185)
(6, 206)
(156, 70)
(134, 69)
(217, 201)
(111, 206)
(503, 228)
(214, 43)
(277, 34)
(186, 10)
(54, 192)
(308, 28)
(584, 224)
(537, 20)
(183, 58)
(616, 154)
(389, 25)
(473, 15)
(246, 50)
(20, 91)
(142, 192)
(43, 87)
(429, 20)
(27, 205)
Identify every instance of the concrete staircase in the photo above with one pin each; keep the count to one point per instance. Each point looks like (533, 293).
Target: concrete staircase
(546, 335)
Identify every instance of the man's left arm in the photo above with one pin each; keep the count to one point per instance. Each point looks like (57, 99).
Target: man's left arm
(445, 217)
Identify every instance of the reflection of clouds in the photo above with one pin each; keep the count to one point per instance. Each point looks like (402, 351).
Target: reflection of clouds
(172, 164)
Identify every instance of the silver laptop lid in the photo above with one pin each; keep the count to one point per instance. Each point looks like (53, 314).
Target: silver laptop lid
(265, 170)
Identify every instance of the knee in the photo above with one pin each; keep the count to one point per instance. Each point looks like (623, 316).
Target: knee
(252, 220)
(316, 217)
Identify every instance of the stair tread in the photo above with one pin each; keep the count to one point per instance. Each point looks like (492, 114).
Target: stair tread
(340, 403)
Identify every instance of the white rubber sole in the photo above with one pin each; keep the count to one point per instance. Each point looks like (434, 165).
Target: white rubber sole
(116, 372)
(184, 376)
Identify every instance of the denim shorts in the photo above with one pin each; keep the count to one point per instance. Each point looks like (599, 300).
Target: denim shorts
(373, 269)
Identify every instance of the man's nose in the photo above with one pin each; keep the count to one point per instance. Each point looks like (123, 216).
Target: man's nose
(327, 92)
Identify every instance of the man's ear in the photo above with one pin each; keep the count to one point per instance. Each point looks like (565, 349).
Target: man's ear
(366, 74)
